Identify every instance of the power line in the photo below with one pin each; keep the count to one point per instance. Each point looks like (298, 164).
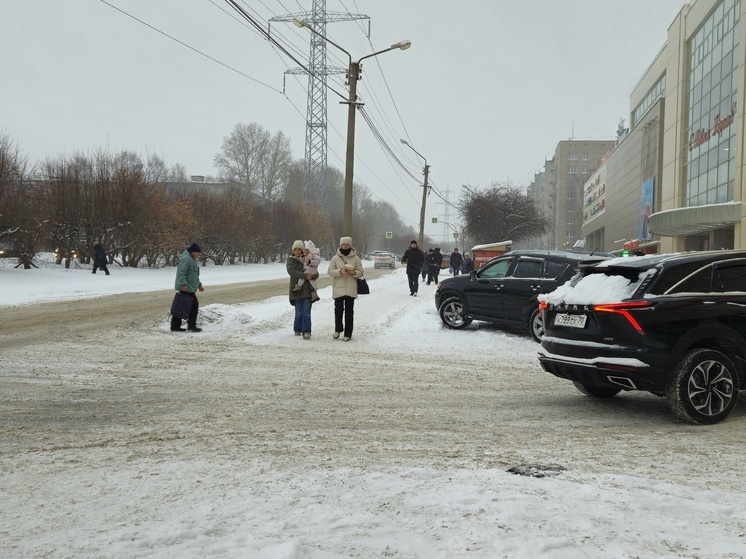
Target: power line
(191, 47)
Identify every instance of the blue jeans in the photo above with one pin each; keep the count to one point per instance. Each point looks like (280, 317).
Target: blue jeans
(414, 282)
(302, 321)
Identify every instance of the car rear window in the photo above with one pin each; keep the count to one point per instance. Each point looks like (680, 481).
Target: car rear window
(554, 268)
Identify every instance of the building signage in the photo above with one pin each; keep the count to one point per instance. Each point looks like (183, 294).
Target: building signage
(719, 125)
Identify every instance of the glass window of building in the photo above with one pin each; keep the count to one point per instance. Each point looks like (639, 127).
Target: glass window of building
(712, 89)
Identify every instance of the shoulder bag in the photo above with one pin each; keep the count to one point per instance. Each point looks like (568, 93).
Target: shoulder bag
(362, 284)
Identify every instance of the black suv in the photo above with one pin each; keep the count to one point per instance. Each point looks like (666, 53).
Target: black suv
(505, 289)
(670, 324)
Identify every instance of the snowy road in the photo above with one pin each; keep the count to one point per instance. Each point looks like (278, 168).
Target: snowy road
(122, 439)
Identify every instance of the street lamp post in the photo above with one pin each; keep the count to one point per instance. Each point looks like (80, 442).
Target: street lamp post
(425, 172)
(353, 77)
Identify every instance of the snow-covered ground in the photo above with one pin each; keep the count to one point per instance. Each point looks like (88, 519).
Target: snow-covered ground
(244, 441)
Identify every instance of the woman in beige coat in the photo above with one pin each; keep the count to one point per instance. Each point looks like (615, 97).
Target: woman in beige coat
(344, 268)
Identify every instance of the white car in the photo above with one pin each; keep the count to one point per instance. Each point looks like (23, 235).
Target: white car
(382, 259)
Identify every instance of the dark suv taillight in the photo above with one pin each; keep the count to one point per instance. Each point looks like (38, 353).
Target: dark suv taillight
(623, 309)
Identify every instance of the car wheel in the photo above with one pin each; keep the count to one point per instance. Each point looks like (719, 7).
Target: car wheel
(704, 388)
(452, 314)
(536, 325)
(597, 391)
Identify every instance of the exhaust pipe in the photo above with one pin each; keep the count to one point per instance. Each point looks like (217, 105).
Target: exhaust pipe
(622, 381)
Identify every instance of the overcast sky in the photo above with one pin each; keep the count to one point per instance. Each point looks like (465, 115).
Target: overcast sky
(486, 91)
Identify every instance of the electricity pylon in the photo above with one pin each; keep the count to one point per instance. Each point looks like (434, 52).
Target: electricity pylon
(315, 179)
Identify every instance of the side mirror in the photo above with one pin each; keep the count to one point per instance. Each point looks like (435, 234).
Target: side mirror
(473, 274)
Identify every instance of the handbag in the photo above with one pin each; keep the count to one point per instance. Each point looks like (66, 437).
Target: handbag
(362, 287)
(362, 284)
(181, 305)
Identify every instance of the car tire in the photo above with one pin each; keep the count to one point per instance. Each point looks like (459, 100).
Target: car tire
(704, 389)
(597, 391)
(536, 325)
(451, 312)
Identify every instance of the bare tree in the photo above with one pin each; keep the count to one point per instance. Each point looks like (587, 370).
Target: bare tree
(499, 213)
(275, 167)
(242, 156)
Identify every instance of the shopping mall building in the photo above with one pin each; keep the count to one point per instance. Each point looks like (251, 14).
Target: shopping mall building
(675, 179)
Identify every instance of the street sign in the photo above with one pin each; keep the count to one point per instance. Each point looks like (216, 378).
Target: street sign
(389, 234)
(434, 220)
(455, 235)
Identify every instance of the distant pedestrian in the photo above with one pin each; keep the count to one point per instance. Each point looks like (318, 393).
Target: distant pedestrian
(301, 298)
(100, 260)
(187, 281)
(468, 265)
(413, 257)
(435, 261)
(344, 268)
(456, 260)
(425, 266)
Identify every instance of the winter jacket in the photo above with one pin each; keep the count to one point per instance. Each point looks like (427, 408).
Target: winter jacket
(467, 266)
(437, 259)
(345, 285)
(456, 260)
(294, 266)
(187, 273)
(413, 258)
(100, 258)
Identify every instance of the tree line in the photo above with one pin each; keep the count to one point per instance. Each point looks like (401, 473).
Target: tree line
(145, 213)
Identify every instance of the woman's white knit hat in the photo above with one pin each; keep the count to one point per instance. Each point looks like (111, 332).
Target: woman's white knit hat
(298, 244)
(345, 240)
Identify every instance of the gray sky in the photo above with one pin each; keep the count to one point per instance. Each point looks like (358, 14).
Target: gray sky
(485, 93)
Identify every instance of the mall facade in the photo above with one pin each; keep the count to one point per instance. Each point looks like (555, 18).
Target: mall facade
(674, 180)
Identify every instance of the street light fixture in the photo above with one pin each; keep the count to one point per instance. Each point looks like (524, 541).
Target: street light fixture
(426, 172)
(353, 75)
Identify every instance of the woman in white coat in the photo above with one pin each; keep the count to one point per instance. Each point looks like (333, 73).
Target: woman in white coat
(344, 268)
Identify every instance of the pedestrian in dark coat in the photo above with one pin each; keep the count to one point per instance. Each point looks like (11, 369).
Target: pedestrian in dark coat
(435, 263)
(100, 260)
(468, 265)
(413, 257)
(456, 261)
(425, 266)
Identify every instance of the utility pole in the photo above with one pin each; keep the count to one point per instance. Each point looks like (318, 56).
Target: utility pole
(425, 187)
(425, 192)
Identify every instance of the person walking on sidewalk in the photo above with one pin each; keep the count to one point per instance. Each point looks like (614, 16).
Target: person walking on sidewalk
(100, 260)
(456, 261)
(413, 257)
(187, 281)
(301, 298)
(344, 268)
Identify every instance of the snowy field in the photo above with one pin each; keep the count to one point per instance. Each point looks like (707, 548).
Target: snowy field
(244, 441)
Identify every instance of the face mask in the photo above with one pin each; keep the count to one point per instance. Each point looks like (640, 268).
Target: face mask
(345, 251)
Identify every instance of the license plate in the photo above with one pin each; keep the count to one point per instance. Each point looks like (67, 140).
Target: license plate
(571, 320)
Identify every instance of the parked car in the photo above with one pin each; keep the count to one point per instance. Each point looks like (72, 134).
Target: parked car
(505, 290)
(670, 324)
(383, 259)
